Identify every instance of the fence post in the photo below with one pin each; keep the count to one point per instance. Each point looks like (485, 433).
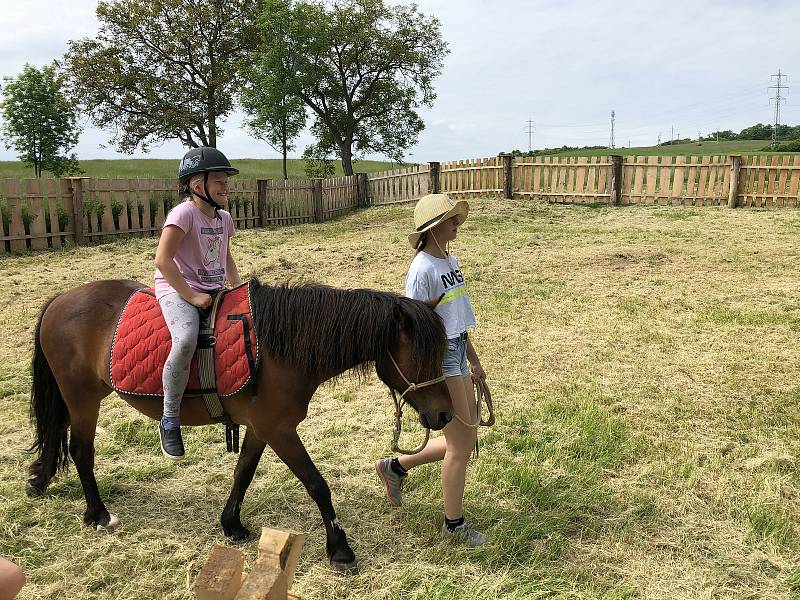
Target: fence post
(615, 180)
(362, 187)
(76, 187)
(262, 185)
(316, 192)
(508, 173)
(433, 178)
(733, 192)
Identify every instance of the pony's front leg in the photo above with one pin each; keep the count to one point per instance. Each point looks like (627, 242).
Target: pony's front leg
(290, 449)
(252, 449)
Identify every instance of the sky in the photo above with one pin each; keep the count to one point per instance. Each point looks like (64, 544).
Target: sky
(676, 67)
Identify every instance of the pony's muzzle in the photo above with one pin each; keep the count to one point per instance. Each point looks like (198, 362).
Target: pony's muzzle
(437, 422)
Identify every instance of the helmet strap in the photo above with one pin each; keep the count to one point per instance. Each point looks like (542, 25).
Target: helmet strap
(207, 197)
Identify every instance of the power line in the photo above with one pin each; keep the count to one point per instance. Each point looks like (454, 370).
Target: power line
(529, 129)
(777, 99)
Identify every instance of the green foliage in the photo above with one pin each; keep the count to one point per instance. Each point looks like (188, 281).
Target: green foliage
(250, 168)
(39, 122)
(317, 162)
(94, 211)
(549, 151)
(4, 215)
(725, 135)
(362, 67)
(791, 146)
(274, 115)
(160, 71)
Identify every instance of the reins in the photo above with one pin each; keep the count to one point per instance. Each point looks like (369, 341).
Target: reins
(482, 394)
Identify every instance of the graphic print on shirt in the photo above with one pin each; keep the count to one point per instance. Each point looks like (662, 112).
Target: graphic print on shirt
(212, 242)
(453, 283)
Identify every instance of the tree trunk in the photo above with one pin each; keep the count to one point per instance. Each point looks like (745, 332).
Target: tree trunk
(285, 171)
(212, 119)
(347, 158)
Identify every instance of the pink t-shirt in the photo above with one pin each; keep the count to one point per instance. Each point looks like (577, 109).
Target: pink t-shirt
(202, 256)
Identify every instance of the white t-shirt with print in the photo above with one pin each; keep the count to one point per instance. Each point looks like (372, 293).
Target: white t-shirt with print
(429, 277)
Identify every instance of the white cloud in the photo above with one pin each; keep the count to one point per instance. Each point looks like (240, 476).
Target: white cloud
(565, 64)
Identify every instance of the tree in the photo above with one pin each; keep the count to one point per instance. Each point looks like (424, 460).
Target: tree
(758, 131)
(274, 115)
(39, 121)
(163, 69)
(362, 67)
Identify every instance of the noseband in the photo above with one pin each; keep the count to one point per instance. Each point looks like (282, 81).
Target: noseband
(482, 395)
(398, 409)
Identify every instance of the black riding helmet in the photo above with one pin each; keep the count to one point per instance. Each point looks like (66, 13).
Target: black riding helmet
(203, 160)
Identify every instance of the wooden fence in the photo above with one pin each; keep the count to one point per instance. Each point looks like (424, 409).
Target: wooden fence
(470, 178)
(400, 185)
(581, 180)
(47, 213)
(766, 181)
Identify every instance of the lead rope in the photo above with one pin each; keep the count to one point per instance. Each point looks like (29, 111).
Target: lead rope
(481, 389)
(398, 410)
(482, 394)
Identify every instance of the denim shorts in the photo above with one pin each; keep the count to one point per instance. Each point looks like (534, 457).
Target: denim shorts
(455, 360)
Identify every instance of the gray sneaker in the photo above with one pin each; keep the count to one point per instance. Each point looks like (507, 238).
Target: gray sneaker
(391, 481)
(466, 534)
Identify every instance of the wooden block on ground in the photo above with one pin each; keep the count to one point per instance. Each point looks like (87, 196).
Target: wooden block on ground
(264, 583)
(281, 549)
(221, 575)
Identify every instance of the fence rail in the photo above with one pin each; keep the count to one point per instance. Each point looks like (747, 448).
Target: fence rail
(582, 180)
(48, 213)
(474, 177)
(399, 185)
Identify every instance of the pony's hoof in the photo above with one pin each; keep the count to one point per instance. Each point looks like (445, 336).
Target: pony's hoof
(344, 568)
(112, 525)
(237, 535)
(33, 491)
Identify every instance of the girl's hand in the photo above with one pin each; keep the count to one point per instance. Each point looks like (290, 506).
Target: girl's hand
(200, 300)
(476, 371)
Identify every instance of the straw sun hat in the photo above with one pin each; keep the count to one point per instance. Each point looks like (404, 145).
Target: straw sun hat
(434, 209)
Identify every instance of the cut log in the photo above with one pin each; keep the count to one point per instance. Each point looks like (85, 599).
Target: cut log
(221, 575)
(264, 583)
(281, 549)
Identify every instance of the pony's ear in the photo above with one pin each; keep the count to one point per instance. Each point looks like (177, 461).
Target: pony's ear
(402, 318)
(434, 303)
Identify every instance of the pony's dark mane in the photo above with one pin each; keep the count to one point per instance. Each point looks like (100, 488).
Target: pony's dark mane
(326, 330)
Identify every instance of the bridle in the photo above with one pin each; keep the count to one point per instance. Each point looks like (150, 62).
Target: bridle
(398, 409)
(482, 395)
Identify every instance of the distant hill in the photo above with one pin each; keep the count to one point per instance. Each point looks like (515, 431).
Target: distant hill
(704, 147)
(250, 168)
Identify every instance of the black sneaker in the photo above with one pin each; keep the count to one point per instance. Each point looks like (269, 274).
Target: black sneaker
(171, 442)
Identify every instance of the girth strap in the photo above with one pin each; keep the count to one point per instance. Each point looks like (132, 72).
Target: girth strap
(206, 372)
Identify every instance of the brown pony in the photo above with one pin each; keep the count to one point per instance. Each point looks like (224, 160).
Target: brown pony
(307, 333)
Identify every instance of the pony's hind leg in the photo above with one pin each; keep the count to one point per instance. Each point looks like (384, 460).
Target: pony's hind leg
(81, 448)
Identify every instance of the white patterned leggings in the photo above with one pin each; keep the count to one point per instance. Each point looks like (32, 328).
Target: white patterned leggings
(183, 321)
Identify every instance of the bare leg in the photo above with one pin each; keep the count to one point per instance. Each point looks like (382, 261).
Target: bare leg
(12, 579)
(460, 441)
(435, 449)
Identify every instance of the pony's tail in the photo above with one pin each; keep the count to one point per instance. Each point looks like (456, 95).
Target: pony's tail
(49, 415)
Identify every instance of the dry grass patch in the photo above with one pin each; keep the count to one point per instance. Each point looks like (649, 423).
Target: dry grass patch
(644, 362)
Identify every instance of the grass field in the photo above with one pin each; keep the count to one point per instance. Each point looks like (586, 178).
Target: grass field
(268, 168)
(249, 168)
(644, 366)
(723, 147)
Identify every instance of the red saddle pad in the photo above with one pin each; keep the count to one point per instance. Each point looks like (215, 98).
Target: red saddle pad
(142, 343)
